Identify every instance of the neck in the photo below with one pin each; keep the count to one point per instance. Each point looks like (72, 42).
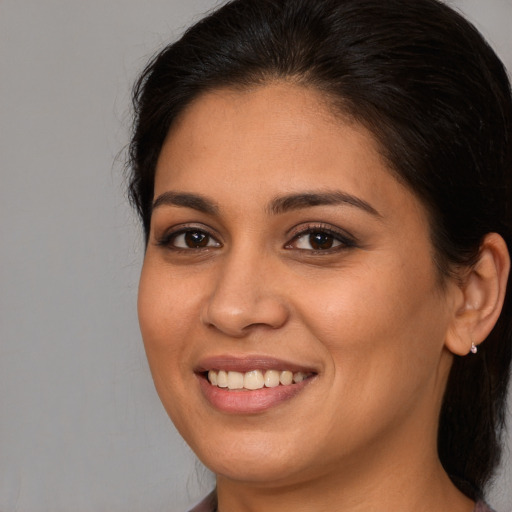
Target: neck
(388, 477)
(436, 492)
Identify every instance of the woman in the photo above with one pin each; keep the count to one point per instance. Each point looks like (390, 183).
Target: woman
(325, 188)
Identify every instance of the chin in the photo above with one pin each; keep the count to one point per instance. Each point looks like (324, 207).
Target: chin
(249, 457)
(255, 470)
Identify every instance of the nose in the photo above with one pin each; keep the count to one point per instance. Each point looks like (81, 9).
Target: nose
(244, 296)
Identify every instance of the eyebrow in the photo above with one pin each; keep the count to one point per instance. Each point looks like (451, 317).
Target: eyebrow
(183, 199)
(305, 200)
(277, 206)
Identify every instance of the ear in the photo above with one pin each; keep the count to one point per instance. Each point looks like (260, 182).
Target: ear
(480, 297)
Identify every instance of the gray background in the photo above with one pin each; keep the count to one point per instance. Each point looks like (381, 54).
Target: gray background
(81, 427)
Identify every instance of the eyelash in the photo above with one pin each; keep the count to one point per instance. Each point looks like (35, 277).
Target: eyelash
(345, 240)
(168, 238)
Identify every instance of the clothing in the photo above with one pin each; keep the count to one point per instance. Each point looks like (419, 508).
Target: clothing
(482, 507)
(208, 505)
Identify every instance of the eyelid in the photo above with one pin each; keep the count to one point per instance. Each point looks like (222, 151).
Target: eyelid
(346, 239)
(169, 234)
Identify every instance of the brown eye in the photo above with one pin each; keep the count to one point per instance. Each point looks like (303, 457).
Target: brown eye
(317, 241)
(193, 239)
(196, 239)
(321, 241)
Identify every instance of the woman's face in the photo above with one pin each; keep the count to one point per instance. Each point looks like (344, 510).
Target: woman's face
(280, 242)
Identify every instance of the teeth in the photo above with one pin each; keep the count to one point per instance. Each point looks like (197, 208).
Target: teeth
(222, 379)
(254, 379)
(271, 378)
(235, 380)
(298, 377)
(212, 377)
(286, 378)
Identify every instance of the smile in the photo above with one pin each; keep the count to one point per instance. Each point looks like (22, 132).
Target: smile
(251, 384)
(255, 379)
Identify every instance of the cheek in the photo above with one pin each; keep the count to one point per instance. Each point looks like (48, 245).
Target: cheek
(378, 323)
(165, 317)
(165, 305)
(165, 322)
(384, 351)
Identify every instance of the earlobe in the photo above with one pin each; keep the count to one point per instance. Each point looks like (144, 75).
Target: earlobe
(483, 292)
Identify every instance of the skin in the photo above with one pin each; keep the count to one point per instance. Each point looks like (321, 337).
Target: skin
(368, 315)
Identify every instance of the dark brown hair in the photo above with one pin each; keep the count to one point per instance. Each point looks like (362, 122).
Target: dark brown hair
(437, 99)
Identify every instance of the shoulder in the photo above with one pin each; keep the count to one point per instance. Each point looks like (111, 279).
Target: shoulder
(209, 504)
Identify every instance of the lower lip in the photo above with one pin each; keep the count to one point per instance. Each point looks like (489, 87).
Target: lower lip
(248, 401)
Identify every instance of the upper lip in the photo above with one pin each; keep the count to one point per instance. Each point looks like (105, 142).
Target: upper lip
(248, 363)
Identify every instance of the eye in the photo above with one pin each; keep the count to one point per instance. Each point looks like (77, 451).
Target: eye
(190, 239)
(318, 239)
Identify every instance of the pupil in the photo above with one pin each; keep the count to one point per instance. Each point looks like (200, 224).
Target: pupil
(196, 239)
(320, 240)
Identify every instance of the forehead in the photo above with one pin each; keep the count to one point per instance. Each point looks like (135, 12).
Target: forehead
(274, 97)
(284, 127)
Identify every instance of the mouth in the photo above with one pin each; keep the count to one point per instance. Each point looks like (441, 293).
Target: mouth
(251, 385)
(254, 379)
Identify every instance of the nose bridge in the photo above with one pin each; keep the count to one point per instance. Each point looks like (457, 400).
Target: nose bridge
(244, 294)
